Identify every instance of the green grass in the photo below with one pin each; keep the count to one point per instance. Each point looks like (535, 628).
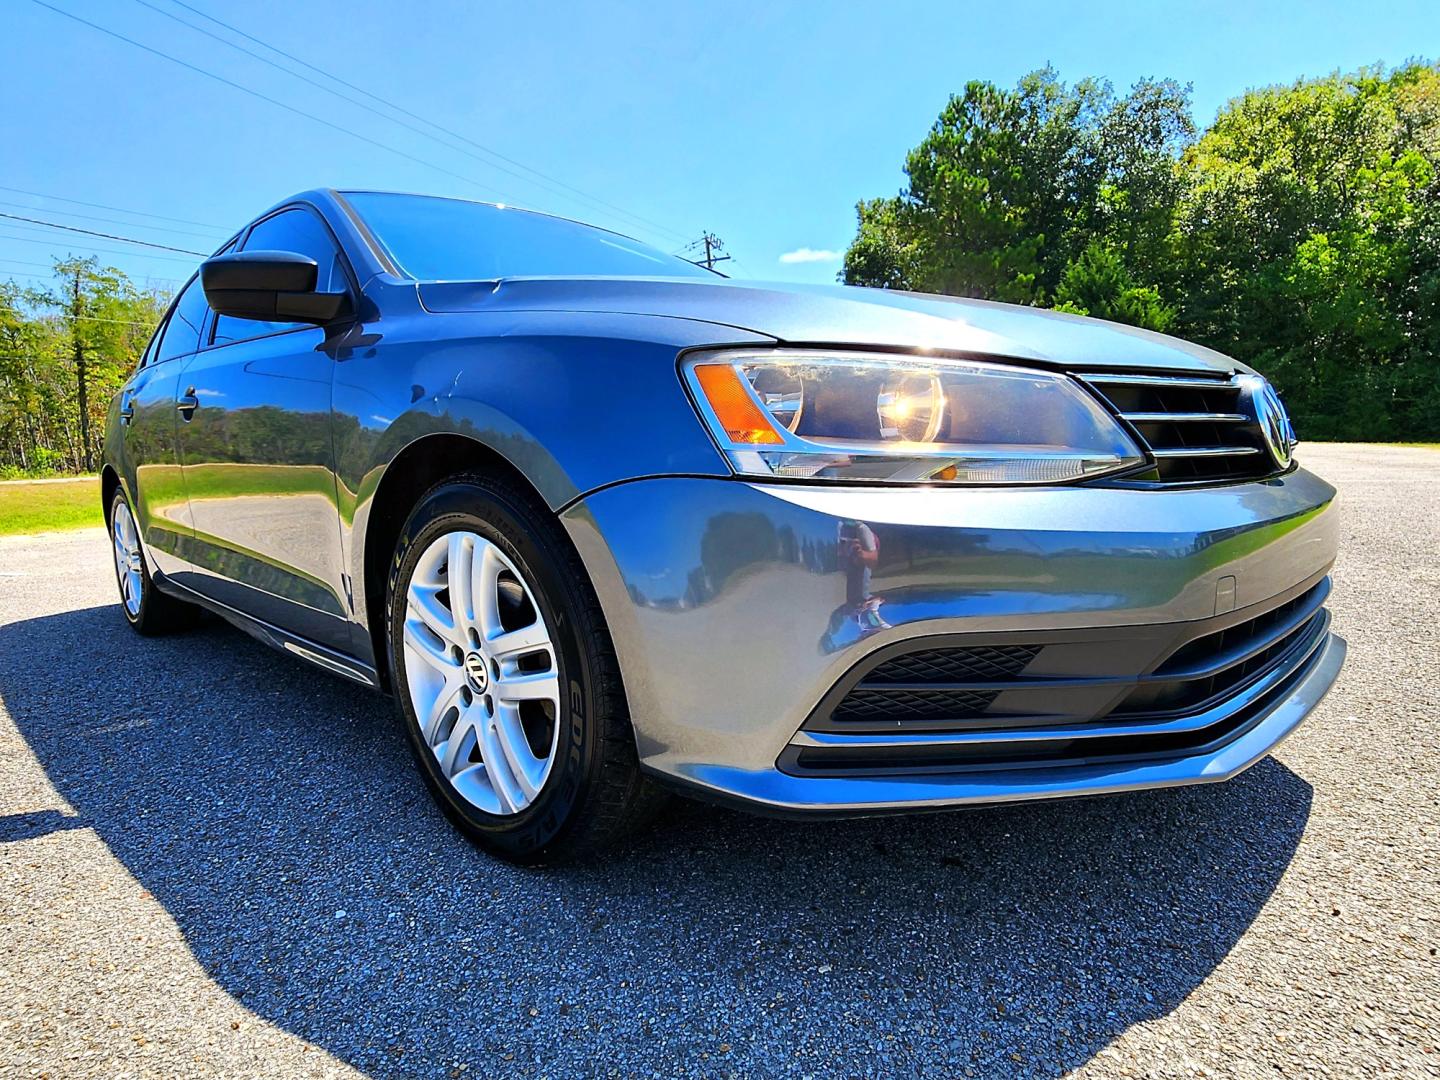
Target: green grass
(32, 508)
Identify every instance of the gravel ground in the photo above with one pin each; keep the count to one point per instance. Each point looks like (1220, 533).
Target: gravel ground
(215, 861)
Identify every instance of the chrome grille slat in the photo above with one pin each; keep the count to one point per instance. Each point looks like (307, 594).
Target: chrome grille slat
(1185, 418)
(1177, 381)
(1204, 451)
(1196, 428)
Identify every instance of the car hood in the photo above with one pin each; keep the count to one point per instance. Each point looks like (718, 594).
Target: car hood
(836, 315)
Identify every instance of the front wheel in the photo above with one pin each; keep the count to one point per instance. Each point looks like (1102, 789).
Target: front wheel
(506, 680)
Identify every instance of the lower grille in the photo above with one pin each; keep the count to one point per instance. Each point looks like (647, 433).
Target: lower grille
(903, 686)
(1062, 698)
(955, 665)
(896, 705)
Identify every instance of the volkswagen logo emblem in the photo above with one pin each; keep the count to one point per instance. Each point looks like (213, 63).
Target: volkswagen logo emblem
(1270, 416)
(477, 671)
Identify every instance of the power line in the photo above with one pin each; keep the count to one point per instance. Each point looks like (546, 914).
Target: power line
(547, 179)
(11, 275)
(265, 97)
(50, 242)
(117, 209)
(544, 181)
(27, 262)
(115, 221)
(105, 236)
(96, 318)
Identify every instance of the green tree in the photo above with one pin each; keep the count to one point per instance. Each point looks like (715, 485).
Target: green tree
(1098, 284)
(1011, 186)
(107, 322)
(1308, 247)
(64, 351)
(32, 435)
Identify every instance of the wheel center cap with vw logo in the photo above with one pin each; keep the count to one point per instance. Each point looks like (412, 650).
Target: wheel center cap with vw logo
(1270, 415)
(477, 671)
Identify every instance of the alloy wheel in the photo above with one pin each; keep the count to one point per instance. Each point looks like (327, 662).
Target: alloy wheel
(481, 672)
(128, 565)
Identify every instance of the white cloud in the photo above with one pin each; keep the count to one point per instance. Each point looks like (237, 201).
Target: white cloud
(809, 255)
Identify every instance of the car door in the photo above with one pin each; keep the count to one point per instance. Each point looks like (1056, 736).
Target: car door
(148, 421)
(257, 455)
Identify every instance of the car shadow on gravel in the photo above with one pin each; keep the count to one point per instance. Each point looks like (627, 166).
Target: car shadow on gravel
(275, 813)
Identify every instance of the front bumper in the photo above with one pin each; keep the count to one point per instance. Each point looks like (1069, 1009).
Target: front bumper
(736, 608)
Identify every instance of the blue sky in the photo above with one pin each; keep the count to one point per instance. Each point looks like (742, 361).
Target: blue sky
(763, 122)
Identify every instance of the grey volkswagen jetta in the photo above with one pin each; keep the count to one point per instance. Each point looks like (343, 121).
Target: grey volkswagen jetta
(605, 523)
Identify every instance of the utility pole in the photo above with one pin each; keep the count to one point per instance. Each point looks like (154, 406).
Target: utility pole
(713, 247)
(82, 390)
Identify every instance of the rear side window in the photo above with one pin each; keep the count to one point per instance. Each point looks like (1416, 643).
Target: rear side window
(152, 350)
(182, 333)
(296, 230)
(148, 356)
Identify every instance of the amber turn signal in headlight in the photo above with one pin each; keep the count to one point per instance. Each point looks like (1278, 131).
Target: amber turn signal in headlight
(858, 417)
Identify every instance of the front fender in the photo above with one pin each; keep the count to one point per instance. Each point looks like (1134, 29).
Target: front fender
(574, 402)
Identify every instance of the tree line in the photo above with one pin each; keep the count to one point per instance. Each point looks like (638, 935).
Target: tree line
(64, 351)
(1299, 232)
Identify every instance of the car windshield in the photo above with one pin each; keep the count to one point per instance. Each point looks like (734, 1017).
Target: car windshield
(435, 239)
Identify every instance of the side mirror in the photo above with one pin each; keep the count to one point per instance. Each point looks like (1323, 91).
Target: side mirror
(272, 286)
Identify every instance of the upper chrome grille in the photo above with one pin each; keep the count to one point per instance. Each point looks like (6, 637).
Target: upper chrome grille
(1195, 427)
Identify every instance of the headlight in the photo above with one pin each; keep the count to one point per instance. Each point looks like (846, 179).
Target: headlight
(865, 417)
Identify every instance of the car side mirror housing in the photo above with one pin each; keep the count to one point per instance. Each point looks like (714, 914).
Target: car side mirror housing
(271, 286)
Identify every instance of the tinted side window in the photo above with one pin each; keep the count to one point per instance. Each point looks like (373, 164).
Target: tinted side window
(182, 333)
(294, 230)
(148, 356)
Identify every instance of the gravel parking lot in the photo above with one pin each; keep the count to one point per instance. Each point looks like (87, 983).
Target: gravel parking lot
(216, 861)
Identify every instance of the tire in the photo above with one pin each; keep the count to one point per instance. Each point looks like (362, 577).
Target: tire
(526, 747)
(148, 610)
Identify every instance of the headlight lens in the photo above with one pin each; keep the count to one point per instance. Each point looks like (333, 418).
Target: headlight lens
(864, 417)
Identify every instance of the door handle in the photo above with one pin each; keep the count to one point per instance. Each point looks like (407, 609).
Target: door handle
(187, 403)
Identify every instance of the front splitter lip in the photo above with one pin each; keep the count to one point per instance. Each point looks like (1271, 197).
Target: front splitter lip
(773, 792)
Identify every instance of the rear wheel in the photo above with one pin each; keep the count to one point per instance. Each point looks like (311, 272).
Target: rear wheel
(146, 608)
(506, 680)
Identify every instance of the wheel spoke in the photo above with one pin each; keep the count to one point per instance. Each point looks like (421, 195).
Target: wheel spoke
(448, 696)
(489, 564)
(426, 607)
(541, 686)
(419, 638)
(514, 642)
(498, 768)
(455, 751)
(460, 579)
(510, 737)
